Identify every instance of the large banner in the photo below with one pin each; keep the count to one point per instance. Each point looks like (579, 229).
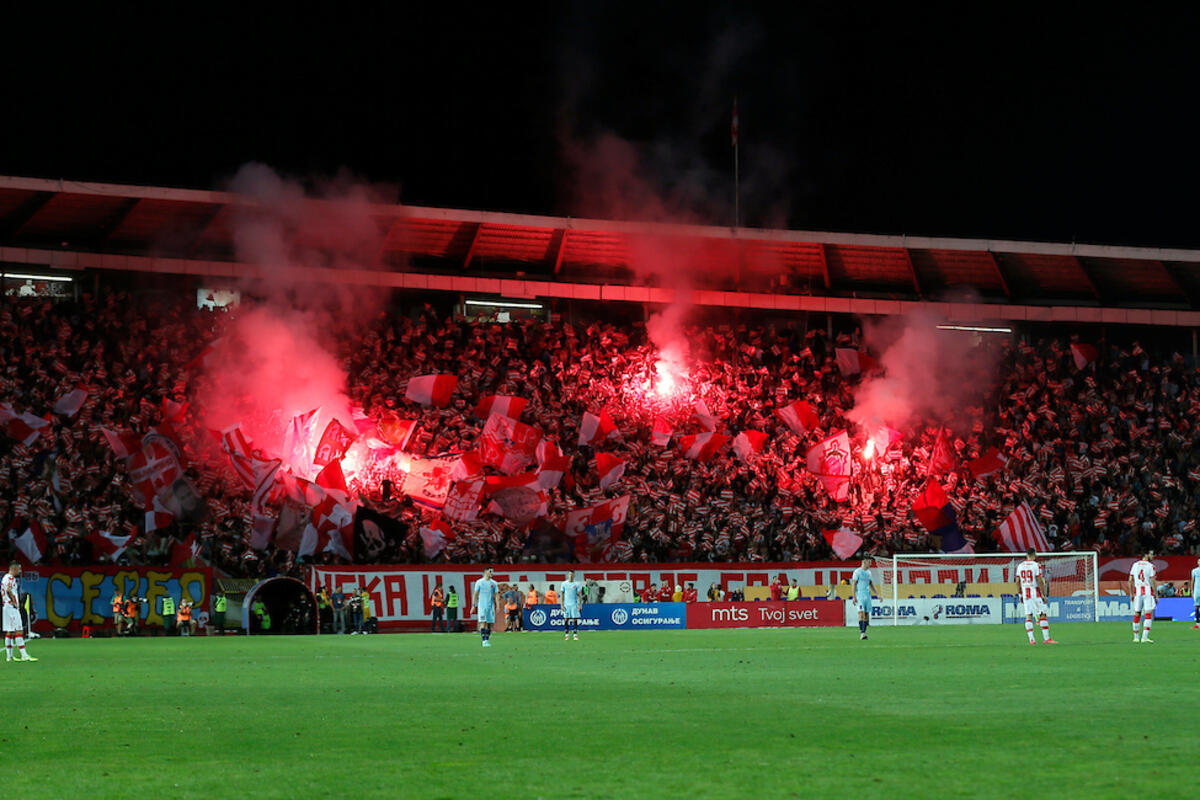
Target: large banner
(932, 611)
(610, 617)
(1063, 609)
(71, 597)
(794, 614)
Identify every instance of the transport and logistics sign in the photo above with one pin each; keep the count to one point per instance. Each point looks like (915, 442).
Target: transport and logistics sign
(71, 597)
(610, 617)
(1058, 609)
(932, 611)
(794, 614)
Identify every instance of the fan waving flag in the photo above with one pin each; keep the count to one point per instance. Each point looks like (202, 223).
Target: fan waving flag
(942, 458)
(702, 446)
(1021, 530)
(69, 404)
(335, 441)
(431, 390)
(609, 468)
(844, 542)
(595, 429)
(508, 445)
(500, 404)
(428, 481)
(800, 417)
(661, 433)
(935, 512)
(1084, 354)
(830, 461)
(396, 431)
(108, 545)
(989, 463)
(31, 542)
(706, 418)
(597, 529)
(854, 362)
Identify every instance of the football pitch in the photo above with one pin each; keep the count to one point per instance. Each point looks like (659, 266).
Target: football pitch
(965, 711)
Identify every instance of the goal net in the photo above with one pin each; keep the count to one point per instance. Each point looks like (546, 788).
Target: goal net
(1071, 578)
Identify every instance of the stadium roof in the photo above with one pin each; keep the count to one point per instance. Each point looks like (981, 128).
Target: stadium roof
(72, 226)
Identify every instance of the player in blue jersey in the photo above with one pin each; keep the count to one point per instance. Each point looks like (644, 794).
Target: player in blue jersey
(483, 599)
(572, 600)
(1196, 592)
(864, 587)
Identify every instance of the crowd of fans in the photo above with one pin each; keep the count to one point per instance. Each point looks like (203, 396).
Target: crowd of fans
(1104, 455)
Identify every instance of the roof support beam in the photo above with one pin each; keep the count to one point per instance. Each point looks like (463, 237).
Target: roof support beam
(824, 264)
(1173, 275)
(560, 249)
(1091, 279)
(113, 223)
(916, 279)
(22, 214)
(386, 240)
(202, 231)
(1000, 274)
(471, 248)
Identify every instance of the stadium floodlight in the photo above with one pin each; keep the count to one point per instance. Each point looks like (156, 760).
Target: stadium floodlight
(26, 276)
(503, 304)
(1068, 574)
(974, 328)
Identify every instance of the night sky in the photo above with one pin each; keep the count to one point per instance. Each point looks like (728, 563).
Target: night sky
(1026, 125)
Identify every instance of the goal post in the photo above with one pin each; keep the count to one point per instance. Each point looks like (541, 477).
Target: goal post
(1068, 575)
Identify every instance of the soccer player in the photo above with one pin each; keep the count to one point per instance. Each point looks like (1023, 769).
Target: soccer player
(1143, 588)
(1196, 592)
(572, 597)
(13, 630)
(1033, 591)
(483, 599)
(864, 587)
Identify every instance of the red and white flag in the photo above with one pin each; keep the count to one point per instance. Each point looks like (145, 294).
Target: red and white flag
(609, 468)
(25, 427)
(552, 465)
(503, 405)
(942, 459)
(702, 446)
(661, 434)
(508, 445)
(853, 362)
(185, 553)
(124, 443)
(595, 429)
(516, 498)
(173, 410)
(396, 431)
(436, 533)
(31, 542)
(431, 390)
(428, 481)
(1021, 530)
(335, 441)
(332, 528)
(706, 418)
(298, 440)
(463, 500)
(800, 417)
(989, 463)
(69, 404)
(749, 443)
(843, 541)
(158, 516)
(597, 529)
(831, 463)
(332, 477)
(1084, 354)
(108, 545)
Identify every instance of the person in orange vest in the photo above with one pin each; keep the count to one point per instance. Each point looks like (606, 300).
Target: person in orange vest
(531, 599)
(438, 602)
(187, 627)
(131, 615)
(118, 611)
(551, 596)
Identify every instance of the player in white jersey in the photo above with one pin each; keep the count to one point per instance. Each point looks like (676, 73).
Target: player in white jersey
(1031, 584)
(1143, 589)
(1196, 593)
(14, 632)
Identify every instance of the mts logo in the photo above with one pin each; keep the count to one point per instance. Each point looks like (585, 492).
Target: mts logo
(730, 615)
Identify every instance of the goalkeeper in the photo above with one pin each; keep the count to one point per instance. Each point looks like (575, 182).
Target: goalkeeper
(864, 587)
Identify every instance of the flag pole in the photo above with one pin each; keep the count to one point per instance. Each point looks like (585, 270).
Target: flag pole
(737, 187)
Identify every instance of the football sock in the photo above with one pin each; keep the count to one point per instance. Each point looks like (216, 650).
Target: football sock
(8, 646)
(1145, 626)
(20, 643)
(1045, 623)
(1029, 629)
(1137, 618)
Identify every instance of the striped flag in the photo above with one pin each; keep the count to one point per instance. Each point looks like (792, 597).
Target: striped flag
(1021, 531)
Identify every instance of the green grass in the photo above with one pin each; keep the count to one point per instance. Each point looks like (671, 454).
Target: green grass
(968, 711)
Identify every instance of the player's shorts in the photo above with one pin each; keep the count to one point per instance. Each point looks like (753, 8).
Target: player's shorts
(487, 614)
(1035, 606)
(12, 620)
(1143, 603)
(571, 612)
(864, 603)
